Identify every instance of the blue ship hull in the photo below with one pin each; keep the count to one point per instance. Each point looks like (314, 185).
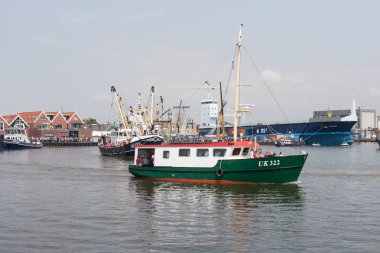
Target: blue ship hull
(326, 133)
(19, 145)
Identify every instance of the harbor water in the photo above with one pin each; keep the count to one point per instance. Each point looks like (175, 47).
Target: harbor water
(71, 199)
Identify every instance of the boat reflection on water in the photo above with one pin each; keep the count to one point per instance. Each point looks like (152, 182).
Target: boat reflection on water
(209, 212)
(281, 192)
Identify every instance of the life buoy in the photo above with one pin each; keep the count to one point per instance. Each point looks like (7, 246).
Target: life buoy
(220, 172)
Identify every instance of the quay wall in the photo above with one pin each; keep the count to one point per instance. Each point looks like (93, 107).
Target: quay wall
(69, 144)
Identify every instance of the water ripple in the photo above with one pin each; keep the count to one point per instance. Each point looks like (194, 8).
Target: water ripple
(73, 200)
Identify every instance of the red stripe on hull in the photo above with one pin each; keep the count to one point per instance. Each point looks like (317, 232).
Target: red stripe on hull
(203, 181)
(203, 144)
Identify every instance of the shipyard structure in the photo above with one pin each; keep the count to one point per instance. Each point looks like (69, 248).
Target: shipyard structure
(325, 128)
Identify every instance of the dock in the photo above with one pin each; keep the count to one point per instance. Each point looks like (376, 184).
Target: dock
(68, 144)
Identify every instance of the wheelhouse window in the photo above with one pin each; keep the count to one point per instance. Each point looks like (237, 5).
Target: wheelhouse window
(236, 151)
(202, 152)
(245, 152)
(218, 152)
(166, 154)
(184, 152)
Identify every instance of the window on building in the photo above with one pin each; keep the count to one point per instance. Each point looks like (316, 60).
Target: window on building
(184, 152)
(166, 154)
(218, 152)
(1, 126)
(236, 151)
(202, 152)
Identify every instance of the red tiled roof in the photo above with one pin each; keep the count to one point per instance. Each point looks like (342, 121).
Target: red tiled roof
(11, 118)
(53, 114)
(3, 119)
(70, 115)
(30, 117)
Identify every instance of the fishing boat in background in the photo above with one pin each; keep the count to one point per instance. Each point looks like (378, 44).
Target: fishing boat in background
(216, 162)
(378, 137)
(16, 138)
(134, 130)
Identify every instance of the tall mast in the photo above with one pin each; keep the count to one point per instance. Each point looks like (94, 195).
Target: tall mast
(237, 84)
(120, 107)
(222, 112)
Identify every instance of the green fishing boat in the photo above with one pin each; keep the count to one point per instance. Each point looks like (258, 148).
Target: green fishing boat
(217, 162)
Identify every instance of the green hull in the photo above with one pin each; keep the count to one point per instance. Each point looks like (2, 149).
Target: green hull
(262, 170)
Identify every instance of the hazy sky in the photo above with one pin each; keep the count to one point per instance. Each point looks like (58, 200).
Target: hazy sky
(313, 55)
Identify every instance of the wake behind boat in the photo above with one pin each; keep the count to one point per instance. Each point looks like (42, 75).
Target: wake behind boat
(16, 138)
(216, 162)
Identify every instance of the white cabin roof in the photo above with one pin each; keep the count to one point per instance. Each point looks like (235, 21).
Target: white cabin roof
(195, 155)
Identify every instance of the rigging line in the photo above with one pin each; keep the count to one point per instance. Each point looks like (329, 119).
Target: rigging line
(225, 59)
(229, 77)
(191, 95)
(213, 73)
(272, 129)
(266, 85)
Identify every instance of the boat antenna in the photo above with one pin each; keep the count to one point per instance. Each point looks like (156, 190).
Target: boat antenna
(222, 112)
(238, 45)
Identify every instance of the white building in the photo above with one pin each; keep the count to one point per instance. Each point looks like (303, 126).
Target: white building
(209, 113)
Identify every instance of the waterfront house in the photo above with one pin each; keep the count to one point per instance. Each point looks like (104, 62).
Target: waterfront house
(58, 121)
(51, 125)
(37, 121)
(73, 120)
(75, 124)
(13, 120)
(3, 125)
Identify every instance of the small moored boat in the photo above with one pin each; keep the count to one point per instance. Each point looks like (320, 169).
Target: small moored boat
(345, 144)
(16, 138)
(288, 143)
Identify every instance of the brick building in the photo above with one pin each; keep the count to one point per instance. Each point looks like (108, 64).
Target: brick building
(47, 124)
(3, 124)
